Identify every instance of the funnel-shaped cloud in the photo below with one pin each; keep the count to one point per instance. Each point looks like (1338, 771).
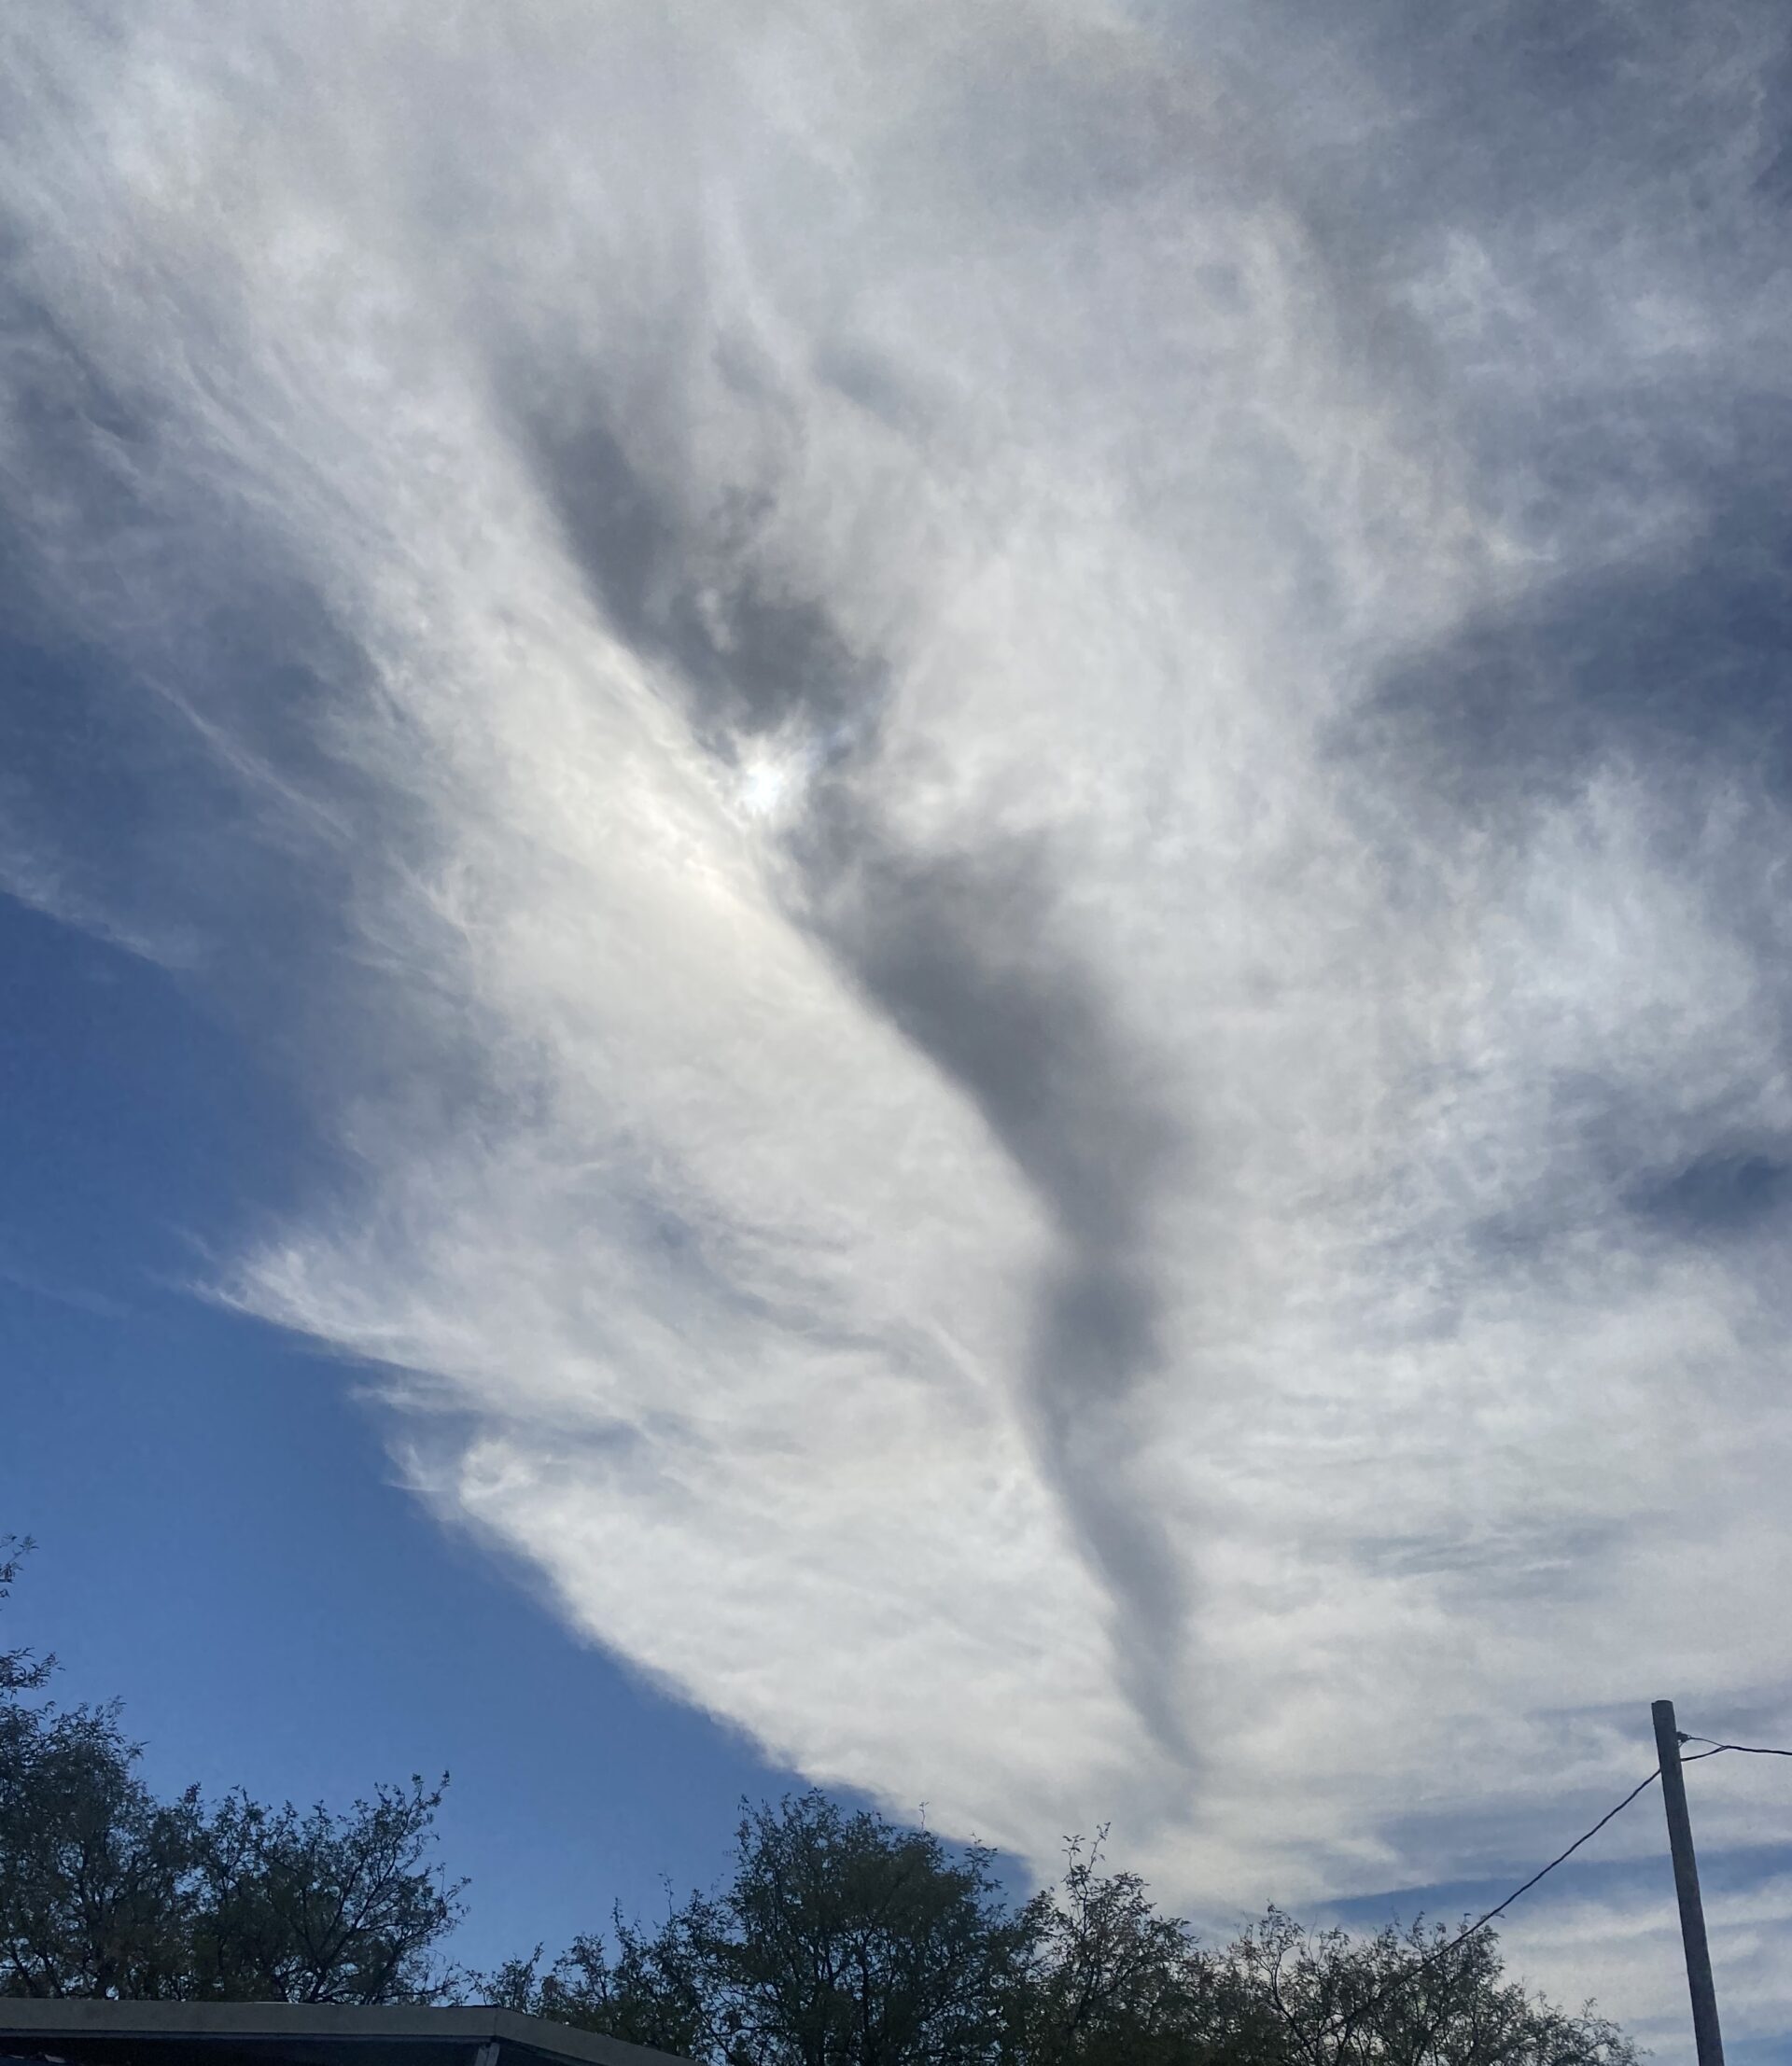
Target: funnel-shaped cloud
(1020, 790)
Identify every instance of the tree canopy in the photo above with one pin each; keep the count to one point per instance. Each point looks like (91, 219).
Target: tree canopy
(106, 1891)
(842, 1939)
(836, 1937)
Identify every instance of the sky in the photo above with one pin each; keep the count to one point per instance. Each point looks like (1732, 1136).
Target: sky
(897, 896)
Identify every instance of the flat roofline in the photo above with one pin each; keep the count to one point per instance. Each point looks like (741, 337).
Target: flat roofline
(317, 2023)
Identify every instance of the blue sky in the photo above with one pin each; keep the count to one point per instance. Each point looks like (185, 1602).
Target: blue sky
(925, 871)
(305, 1630)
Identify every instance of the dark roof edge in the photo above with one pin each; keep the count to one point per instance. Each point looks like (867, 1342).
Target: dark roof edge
(23, 2016)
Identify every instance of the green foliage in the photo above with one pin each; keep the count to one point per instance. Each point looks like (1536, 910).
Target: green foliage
(1107, 1977)
(837, 1939)
(93, 1894)
(843, 1940)
(319, 1908)
(651, 1988)
(105, 1891)
(19, 1671)
(1404, 1998)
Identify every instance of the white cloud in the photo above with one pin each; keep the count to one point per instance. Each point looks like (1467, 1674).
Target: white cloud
(1627, 1947)
(1285, 1432)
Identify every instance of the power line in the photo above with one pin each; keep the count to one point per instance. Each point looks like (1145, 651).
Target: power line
(1610, 1815)
(1752, 1749)
(1749, 1749)
(1443, 1950)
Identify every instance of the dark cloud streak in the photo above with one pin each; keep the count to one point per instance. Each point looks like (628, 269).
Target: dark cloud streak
(957, 951)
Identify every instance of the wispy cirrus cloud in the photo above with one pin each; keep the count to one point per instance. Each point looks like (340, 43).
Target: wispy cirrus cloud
(1020, 789)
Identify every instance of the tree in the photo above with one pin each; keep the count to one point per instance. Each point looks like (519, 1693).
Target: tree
(93, 1892)
(90, 1866)
(857, 1942)
(839, 1939)
(319, 1906)
(105, 1891)
(1108, 1978)
(19, 1671)
(658, 1989)
(1401, 1998)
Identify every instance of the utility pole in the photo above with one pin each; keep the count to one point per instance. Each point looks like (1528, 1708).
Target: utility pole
(1686, 1884)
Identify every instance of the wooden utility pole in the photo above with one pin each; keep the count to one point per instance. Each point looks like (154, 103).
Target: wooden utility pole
(1686, 1884)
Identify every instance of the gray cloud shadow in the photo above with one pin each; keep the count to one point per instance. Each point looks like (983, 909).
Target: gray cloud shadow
(1677, 675)
(958, 953)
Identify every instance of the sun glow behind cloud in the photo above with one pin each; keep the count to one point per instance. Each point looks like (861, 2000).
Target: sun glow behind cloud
(960, 751)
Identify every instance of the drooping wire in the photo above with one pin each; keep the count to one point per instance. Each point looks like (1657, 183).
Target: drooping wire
(1610, 1815)
(1749, 1749)
(1715, 1750)
(1443, 1950)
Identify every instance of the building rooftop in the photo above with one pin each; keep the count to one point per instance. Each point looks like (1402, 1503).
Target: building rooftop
(298, 2034)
